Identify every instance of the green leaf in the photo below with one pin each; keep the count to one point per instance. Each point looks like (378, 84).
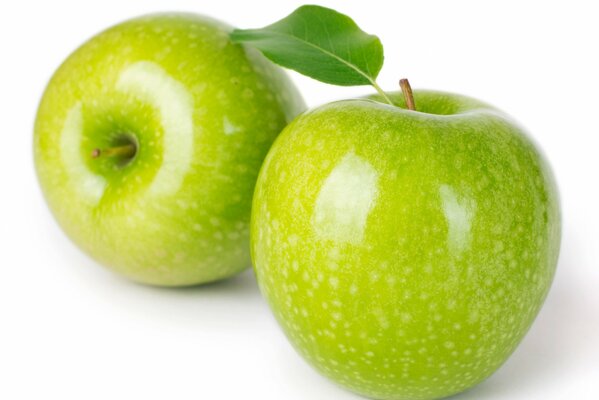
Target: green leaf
(320, 43)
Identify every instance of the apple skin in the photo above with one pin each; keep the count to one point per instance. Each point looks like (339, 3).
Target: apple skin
(203, 113)
(405, 253)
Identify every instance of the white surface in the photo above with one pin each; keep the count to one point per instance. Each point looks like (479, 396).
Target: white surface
(72, 330)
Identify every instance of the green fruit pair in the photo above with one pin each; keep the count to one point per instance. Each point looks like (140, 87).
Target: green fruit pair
(405, 253)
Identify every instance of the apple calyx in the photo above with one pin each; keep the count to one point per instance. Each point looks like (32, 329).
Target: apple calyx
(406, 89)
(125, 151)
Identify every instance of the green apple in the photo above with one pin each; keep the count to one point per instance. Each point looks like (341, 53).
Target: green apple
(405, 253)
(148, 142)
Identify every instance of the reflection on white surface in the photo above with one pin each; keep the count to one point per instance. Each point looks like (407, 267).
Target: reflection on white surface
(345, 199)
(89, 185)
(459, 212)
(152, 84)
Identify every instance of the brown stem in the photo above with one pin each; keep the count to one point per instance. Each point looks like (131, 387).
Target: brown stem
(407, 94)
(126, 151)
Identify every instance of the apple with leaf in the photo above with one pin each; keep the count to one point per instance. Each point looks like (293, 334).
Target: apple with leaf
(404, 241)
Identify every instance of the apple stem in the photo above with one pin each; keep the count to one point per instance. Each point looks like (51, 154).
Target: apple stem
(126, 151)
(407, 93)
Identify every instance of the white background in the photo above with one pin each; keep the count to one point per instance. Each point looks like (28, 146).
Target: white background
(71, 330)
